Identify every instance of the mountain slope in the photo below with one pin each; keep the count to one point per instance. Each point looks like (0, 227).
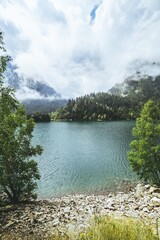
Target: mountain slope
(28, 87)
(43, 106)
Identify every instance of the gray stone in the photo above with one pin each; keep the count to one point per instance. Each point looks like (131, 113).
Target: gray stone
(147, 186)
(67, 210)
(145, 209)
(76, 211)
(154, 190)
(10, 223)
(155, 201)
(56, 222)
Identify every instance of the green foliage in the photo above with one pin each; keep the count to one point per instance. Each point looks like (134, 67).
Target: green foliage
(144, 155)
(93, 107)
(18, 173)
(108, 228)
(120, 104)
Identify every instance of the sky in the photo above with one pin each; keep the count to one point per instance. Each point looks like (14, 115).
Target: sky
(82, 46)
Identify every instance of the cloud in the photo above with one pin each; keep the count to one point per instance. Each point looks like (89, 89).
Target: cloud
(53, 39)
(48, 13)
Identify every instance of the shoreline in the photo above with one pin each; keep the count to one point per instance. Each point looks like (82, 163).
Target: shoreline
(74, 212)
(124, 186)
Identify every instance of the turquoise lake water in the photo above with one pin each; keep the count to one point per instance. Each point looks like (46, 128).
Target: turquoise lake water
(83, 157)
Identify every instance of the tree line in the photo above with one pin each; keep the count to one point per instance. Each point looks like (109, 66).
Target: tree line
(106, 106)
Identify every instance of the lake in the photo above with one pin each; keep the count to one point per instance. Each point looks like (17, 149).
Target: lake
(83, 157)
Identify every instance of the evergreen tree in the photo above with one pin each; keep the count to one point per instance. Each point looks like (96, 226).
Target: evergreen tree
(144, 155)
(18, 173)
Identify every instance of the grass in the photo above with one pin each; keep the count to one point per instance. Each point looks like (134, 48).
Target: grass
(109, 228)
(102, 228)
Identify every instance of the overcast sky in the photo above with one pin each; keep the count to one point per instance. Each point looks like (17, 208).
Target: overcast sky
(81, 46)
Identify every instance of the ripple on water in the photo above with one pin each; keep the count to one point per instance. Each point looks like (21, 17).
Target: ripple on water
(83, 157)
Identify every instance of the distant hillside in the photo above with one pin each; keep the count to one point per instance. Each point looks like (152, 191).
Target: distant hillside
(124, 101)
(43, 105)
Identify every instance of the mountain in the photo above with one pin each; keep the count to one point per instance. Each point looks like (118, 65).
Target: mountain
(42, 88)
(27, 87)
(142, 76)
(139, 86)
(35, 95)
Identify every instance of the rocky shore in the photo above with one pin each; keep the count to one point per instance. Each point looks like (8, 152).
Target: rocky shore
(39, 219)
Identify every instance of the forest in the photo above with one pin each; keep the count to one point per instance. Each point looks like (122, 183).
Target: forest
(122, 102)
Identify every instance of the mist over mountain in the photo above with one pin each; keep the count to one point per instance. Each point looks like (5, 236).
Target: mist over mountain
(28, 87)
(35, 95)
(138, 85)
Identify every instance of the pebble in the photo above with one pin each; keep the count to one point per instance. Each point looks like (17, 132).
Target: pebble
(44, 216)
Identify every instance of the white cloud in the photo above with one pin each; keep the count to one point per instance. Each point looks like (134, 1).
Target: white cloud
(55, 40)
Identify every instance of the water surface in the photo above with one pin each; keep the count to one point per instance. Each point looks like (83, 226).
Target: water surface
(83, 157)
